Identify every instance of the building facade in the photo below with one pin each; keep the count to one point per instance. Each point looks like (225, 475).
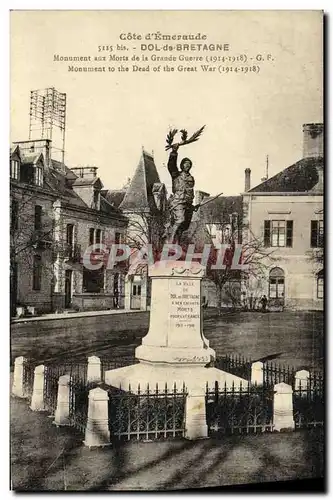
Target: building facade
(287, 212)
(56, 214)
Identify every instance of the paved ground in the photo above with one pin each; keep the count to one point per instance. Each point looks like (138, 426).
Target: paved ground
(295, 337)
(46, 458)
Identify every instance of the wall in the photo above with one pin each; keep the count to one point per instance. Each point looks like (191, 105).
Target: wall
(297, 263)
(41, 299)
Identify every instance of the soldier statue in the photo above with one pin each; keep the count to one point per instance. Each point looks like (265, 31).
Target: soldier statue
(180, 203)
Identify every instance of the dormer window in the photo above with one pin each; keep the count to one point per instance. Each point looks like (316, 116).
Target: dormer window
(14, 169)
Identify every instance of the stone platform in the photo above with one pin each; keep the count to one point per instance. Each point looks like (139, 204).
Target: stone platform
(175, 350)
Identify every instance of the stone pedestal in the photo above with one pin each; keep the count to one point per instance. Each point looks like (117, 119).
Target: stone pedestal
(97, 429)
(257, 373)
(18, 379)
(61, 416)
(195, 415)
(37, 400)
(94, 369)
(283, 418)
(175, 350)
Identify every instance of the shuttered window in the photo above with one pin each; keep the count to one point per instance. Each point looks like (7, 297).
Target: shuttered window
(278, 233)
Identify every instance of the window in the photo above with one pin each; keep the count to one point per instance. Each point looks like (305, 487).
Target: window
(278, 233)
(276, 283)
(93, 280)
(96, 236)
(37, 272)
(137, 290)
(96, 199)
(320, 285)
(91, 236)
(317, 233)
(70, 234)
(38, 217)
(14, 169)
(38, 176)
(14, 215)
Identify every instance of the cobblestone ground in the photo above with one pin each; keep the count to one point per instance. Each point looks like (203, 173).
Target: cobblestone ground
(44, 457)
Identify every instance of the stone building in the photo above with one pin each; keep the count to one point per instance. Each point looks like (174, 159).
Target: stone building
(56, 214)
(286, 211)
(143, 201)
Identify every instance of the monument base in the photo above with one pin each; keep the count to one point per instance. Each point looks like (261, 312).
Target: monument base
(162, 374)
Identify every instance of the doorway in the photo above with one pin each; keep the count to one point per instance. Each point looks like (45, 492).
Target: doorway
(68, 288)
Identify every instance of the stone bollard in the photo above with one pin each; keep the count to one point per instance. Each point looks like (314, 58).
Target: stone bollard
(283, 418)
(301, 382)
(97, 429)
(195, 415)
(37, 400)
(18, 388)
(257, 373)
(94, 369)
(61, 416)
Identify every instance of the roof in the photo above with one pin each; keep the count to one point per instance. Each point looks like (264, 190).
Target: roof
(302, 176)
(114, 197)
(31, 159)
(139, 193)
(81, 181)
(58, 181)
(220, 209)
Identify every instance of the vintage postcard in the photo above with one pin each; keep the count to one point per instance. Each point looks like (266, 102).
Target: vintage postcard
(166, 250)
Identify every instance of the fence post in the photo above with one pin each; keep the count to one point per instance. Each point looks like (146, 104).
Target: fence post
(94, 369)
(257, 373)
(302, 381)
(283, 417)
(61, 416)
(97, 429)
(37, 400)
(18, 388)
(195, 414)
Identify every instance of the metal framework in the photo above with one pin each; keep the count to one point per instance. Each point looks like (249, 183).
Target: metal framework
(243, 410)
(48, 115)
(147, 415)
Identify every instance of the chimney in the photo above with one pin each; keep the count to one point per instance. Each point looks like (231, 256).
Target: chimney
(247, 179)
(313, 140)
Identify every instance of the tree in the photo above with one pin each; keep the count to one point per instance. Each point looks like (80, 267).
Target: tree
(240, 285)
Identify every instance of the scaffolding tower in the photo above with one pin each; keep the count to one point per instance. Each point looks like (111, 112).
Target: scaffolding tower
(48, 119)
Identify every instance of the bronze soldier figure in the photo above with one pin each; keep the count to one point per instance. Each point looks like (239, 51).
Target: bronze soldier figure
(180, 204)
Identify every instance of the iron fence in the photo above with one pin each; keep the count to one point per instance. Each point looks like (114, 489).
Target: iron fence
(239, 410)
(308, 402)
(147, 415)
(237, 365)
(28, 379)
(52, 373)
(78, 403)
(274, 373)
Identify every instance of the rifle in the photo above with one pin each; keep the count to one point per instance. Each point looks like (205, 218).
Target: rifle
(199, 205)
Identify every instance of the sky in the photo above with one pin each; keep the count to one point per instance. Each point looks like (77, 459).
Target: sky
(112, 115)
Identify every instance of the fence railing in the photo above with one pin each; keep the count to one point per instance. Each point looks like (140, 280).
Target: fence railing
(147, 414)
(308, 402)
(239, 410)
(153, 413)
(237, 365)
